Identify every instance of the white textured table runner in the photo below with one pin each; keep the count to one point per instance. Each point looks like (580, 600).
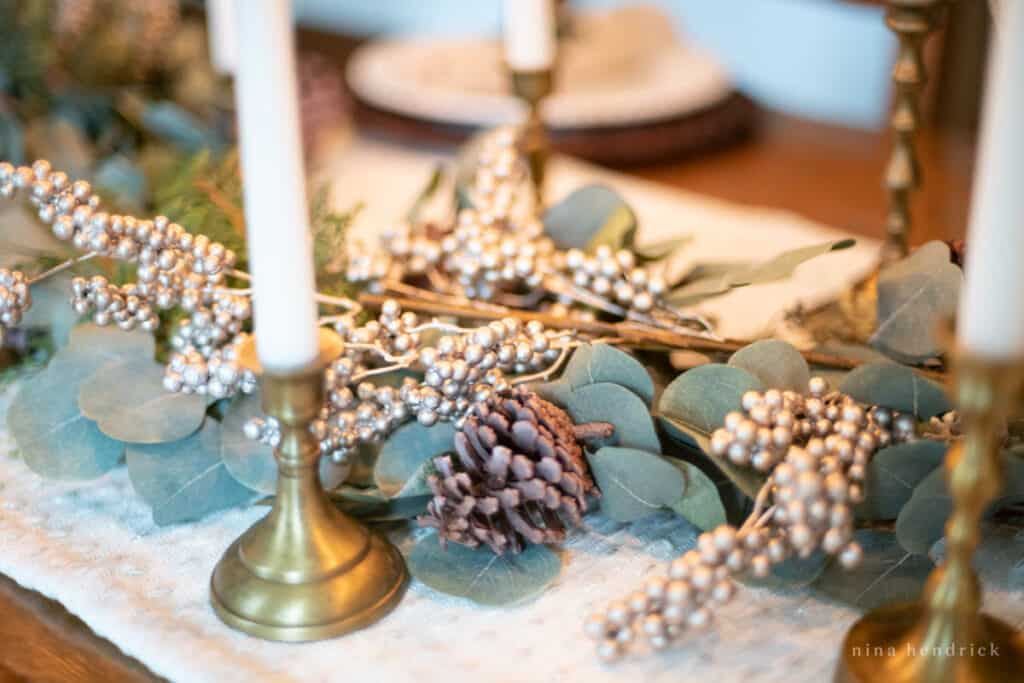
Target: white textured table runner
(94, 547)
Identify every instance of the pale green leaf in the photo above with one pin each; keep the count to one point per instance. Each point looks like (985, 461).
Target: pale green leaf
(634, 483)
(914, 296)
(778, 268)
(591, 216)
(405, 458)
(887, 574)
(128, 402)
(894, 472)
(777, 364)
(700, 504)
(606, 402)
(479, 575)
(747, 479)
(595, 363)
(898, 387)
(704, 395)
(185, 480)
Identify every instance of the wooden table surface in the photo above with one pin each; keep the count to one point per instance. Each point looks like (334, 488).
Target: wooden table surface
(827, 173)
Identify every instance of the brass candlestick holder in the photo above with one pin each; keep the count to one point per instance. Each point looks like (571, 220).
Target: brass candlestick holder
(306, 571)
(944, 638)
(912, 21)
(532, 87)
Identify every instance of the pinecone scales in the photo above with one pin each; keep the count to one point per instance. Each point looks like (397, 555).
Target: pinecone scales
(517, 476)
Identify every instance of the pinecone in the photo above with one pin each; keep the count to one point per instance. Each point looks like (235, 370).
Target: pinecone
(517, 475)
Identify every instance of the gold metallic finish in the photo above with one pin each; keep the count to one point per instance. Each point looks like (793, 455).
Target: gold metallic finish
(912, 21)
(532, 87)
(306, 571)
(943, 638)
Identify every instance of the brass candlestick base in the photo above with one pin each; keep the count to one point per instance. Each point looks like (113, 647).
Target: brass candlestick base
(944, 638)
(532, 87)
(306, 571)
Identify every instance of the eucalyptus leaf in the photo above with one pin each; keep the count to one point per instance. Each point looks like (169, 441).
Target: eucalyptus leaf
(777, 364)
(53, 437)
(591, 216)
(894, 472)
(778, 268)
(595, 363)
(185, 480)
(50, 310)
(123, 178)
(914, 296)
(701, 503)
(108, 343)
(372, 505)
(128, 402)
(922, 520)
(174, 124)
(887, 574)
(607, 402)
(656, 251)
(12, 138)
(557, 392)
(252, 463)
(405, 458)
(747, 479)
(634, 483)
(704, 395)
(479, 575)
(898, 387)
(793, 572)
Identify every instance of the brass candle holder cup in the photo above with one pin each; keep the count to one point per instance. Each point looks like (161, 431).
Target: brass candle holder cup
(943, 637)
(532, 87)
(306, 571)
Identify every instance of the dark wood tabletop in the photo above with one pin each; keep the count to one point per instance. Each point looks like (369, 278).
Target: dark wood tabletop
(827, 173)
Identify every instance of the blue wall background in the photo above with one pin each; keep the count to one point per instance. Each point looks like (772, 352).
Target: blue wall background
(824, 59)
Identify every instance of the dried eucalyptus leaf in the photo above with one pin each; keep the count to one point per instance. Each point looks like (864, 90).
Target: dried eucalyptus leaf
(479, 575)
(746, 479)
(185, 480)
(922, 521)
(898, 387)
(595, 363)
(634, 483)
(52, 435)
(591, 216)
(606, 402)
(128, 402)
(778, 268)
(794, 572)
(703, 396)
(894, 472)
(701, 503)
(405, 457)
(914, 296)
(251, 462)
(777, 364)
(887, 574)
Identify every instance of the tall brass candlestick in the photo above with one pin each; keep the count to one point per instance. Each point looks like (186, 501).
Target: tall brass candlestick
(306, 571)
(532, 87)
(912, 21)
(944, 638)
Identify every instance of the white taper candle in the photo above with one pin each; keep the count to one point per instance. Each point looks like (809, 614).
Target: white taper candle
(529, 33)
(274, 187)
(221, 36)
(991, 316)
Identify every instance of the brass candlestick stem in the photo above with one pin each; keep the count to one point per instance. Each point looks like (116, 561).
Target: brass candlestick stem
(532, 87)
(306, 571)
(912, 21)
(943, 638)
